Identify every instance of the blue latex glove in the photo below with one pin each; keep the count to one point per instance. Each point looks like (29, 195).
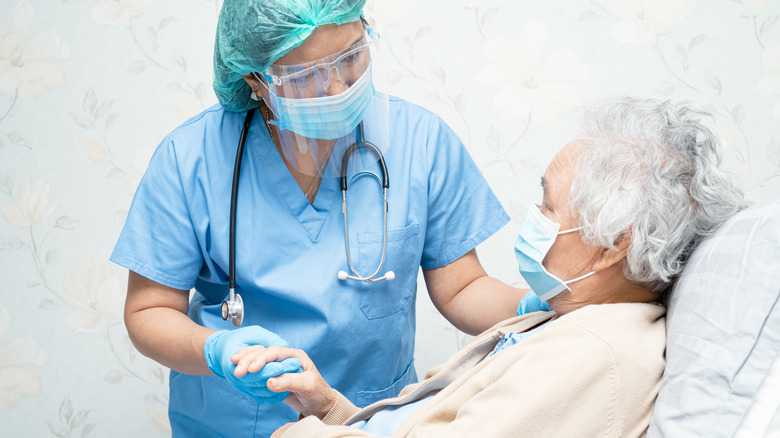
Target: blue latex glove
(222, 345)
(531, 303)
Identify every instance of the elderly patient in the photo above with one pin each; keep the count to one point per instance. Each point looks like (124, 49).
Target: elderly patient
(624, 205)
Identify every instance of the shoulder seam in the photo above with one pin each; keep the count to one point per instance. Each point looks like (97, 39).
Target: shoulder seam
(198, 117)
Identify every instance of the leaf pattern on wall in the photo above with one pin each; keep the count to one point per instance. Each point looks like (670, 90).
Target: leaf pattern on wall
(16, 377)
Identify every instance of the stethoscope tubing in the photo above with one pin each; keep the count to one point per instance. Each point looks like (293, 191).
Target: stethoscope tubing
(234, 199)
(233, 308)
(357, 276)
(361, 143)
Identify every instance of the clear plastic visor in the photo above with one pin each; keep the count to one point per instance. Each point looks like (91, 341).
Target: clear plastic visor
(323, 158)
(314, 109)
(328, 76)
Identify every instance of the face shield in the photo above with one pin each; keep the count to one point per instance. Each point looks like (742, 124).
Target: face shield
(317, 106)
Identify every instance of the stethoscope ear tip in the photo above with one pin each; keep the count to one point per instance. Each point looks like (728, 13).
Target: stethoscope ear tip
(390, 275)
(342, 275)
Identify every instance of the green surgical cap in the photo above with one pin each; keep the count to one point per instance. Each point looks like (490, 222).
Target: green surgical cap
(253, 34)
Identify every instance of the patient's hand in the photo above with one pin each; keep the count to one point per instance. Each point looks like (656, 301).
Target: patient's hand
(310, 394)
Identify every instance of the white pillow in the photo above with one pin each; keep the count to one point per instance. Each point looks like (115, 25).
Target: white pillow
(723, 328)
(763, 416)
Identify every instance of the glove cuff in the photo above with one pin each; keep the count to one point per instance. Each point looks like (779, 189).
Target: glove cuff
(211, 354)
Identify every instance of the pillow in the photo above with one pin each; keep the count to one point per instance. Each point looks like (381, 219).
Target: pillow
(723, 328)
(763, 416)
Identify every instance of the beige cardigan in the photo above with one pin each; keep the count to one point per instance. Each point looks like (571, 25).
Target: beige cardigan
(594, 372)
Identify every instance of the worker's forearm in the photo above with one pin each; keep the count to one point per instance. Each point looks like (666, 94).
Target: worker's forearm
(171, 338)
(483, 303)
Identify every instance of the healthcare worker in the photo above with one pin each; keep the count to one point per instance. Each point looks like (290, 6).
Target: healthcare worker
(303, 69)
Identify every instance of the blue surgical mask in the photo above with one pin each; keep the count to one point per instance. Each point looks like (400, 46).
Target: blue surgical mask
(537, 235)
(327, 117)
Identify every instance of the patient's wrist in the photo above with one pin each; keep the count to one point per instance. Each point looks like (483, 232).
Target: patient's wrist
(340, 411)
(331, 396)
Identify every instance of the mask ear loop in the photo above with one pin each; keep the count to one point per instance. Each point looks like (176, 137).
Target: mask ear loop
(300, 141)
(255, 97)
(581, 277)
(573, 280)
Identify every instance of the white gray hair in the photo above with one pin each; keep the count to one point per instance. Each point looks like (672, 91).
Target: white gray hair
(648, 170)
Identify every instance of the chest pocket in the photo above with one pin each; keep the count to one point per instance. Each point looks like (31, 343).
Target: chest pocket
(384, 298)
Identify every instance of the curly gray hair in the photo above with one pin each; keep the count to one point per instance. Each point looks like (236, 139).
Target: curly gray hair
(648, 169)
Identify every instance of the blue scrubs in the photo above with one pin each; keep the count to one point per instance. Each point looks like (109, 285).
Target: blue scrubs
(288, 254)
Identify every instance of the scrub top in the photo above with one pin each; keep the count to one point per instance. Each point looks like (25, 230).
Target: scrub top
(288, 253)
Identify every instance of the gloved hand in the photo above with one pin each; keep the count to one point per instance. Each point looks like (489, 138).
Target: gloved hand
(222, 345)
(531, 303)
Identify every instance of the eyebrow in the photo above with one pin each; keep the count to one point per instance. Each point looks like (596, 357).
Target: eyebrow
(544, 186)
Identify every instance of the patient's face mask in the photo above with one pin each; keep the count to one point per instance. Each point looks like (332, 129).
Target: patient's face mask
(536, 237)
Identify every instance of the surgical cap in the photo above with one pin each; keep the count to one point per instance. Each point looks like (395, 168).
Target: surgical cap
(253, 34)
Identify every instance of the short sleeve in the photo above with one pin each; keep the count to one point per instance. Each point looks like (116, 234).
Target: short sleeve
(462, 209)
(158, 240)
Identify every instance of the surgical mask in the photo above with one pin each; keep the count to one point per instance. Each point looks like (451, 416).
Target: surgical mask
(327, 117)
(536, 237)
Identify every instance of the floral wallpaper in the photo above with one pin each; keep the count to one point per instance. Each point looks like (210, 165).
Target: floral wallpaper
(89, 87)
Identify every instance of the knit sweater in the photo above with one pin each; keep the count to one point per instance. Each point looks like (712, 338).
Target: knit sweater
(594, 372)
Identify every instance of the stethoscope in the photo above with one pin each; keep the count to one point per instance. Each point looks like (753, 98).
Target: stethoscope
(233, 307)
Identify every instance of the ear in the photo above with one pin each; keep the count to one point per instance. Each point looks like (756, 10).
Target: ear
(609, 257)
(252, 82)
(260, 89)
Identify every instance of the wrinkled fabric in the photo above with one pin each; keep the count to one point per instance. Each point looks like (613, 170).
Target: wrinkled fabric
(723, 328)
(605, 360)
(389, 419)
(253, 34)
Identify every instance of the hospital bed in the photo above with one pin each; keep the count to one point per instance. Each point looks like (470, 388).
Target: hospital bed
(722, 376)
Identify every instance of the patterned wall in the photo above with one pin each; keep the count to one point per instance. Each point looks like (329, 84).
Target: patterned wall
(89, 87)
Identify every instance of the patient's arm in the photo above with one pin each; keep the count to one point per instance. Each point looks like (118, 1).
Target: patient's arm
(531, 389)
(310, 394)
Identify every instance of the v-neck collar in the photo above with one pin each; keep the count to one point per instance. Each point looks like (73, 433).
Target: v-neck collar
(312, 217)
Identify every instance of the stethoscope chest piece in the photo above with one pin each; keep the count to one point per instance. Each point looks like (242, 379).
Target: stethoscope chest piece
(233, 308)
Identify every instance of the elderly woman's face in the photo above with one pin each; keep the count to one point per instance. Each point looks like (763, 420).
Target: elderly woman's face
(569, 257)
